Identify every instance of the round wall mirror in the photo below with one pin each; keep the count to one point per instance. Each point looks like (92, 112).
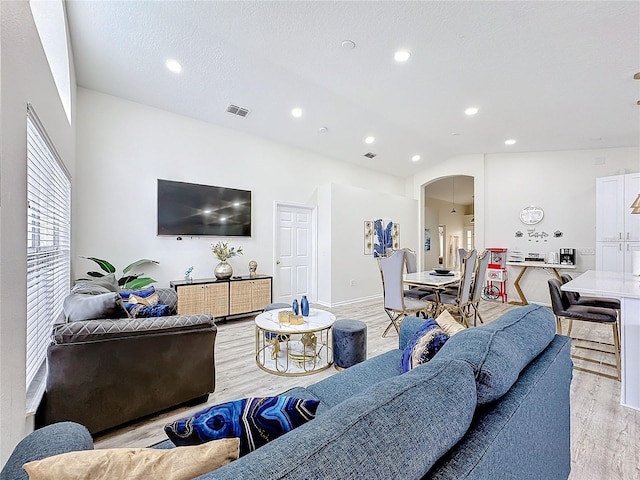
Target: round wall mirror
(531, 215)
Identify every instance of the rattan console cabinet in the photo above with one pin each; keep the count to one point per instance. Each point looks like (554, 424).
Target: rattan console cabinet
(223, 298)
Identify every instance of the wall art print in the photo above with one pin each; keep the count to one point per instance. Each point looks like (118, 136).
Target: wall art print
(427, 239)
(368, 237)
(386, 236)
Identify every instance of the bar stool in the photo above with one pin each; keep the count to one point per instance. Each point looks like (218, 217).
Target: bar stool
(563, 308)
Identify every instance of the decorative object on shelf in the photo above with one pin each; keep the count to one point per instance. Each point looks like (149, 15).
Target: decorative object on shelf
(304, 306)
(557, 234)
(368, 237)
(294, 306)
(223, 253)
(253, 267)
(128, 280)
(531, 215)
(383, 239)
(187, 274)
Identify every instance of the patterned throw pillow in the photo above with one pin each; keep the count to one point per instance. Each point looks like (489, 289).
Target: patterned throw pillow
(424, 344)
(150, 300)
(137, 310)
(145, 294)
(256, 421)
(449, 324)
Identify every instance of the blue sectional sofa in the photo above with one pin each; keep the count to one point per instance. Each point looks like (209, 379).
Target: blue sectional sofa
(492, 404)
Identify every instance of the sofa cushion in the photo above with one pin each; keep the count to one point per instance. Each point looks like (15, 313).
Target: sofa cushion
(255, 421)
(355, 379)
(89, 288)
(82, 306)
(182, 463)
(395, 429)
(500, 350)
(424, 344)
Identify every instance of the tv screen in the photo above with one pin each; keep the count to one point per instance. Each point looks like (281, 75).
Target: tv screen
(192, 209)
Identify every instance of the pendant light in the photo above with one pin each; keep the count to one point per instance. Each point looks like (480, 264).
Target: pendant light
(453, 195)
(473, 209)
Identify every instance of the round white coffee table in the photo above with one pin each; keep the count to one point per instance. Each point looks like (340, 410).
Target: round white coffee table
(294, 350)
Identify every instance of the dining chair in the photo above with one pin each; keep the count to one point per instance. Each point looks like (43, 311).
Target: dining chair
(458, 303)
(563, 308)
(411, 264)
(395, 304)
(479, 281)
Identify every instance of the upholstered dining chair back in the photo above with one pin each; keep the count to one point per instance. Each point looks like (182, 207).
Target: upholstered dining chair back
(467, 268)
(391, 268)
(411, 261)
(560, 301)
(482, 264)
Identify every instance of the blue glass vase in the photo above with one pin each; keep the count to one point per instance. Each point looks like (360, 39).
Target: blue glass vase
(304, 306)
(294, 306)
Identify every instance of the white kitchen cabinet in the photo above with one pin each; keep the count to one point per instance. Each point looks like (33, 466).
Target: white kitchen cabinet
(617, 229)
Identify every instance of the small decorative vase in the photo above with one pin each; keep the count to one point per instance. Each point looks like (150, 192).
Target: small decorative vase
(223, 271)
(294, 306)
(304, 306)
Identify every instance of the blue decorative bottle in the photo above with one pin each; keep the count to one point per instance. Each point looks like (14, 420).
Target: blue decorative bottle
(294, 306)
(304, 306)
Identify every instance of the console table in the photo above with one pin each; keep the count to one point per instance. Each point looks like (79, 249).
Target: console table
(554, 267)
(223, 298)
(626, 287)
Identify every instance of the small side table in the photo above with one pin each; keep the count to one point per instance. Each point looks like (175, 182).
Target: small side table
(349, 343)
(294, 350)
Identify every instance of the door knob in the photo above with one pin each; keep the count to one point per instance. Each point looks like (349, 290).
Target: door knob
(278, 262)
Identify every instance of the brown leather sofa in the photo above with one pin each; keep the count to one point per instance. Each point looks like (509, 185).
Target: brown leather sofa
(103, 373)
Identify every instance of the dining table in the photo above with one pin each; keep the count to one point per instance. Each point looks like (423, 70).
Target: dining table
(432, 279)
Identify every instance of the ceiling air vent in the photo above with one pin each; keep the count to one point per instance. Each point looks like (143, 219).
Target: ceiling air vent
(236, 110)
(369, 155)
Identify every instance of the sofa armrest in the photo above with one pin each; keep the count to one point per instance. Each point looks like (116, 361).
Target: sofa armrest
(46, 442)
(408, 327)
(107, 329)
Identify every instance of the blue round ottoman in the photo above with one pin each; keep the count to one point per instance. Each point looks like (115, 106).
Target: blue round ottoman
(349, 343)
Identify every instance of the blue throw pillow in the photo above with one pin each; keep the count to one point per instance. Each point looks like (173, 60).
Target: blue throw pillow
(142, 293)
(137, 310)
(256, 421)
(424, 344)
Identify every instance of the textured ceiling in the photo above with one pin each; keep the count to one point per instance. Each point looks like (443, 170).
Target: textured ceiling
(553, 75)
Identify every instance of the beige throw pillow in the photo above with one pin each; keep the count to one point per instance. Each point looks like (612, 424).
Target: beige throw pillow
(448, 323)
(180, 463)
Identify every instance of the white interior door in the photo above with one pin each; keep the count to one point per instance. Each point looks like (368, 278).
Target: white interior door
(295, 258)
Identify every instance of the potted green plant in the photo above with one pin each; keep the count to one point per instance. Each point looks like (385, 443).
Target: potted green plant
(128, 280)
(223, 253)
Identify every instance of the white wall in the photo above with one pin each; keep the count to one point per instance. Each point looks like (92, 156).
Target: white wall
(563, 185)
(24, 78)
(123, 147)
(350, 208)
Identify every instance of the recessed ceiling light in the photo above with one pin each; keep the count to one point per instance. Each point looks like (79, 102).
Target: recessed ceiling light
(173, 65)
(296, 112)
(471, 111)
(369, 139)
(323, 130)
(511, 141)
(348, 44)
(401, 55)
(415, 158)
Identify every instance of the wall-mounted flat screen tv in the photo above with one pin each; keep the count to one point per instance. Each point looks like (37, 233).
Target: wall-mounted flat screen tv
(190, 209)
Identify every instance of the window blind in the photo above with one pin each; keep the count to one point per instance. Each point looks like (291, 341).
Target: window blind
(48, 241)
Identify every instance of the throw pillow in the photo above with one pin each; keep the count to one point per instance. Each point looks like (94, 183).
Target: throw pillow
(143, 293)
(181, 463)
(89, 288)
(137, 310)
(424, 344)
(108, 281)
(449, 324)
(255, 421)
(82, 306)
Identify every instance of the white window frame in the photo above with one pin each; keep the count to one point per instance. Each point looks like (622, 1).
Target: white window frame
(48, 249)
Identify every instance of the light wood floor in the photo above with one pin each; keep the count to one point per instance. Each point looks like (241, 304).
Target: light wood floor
(605, 437)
